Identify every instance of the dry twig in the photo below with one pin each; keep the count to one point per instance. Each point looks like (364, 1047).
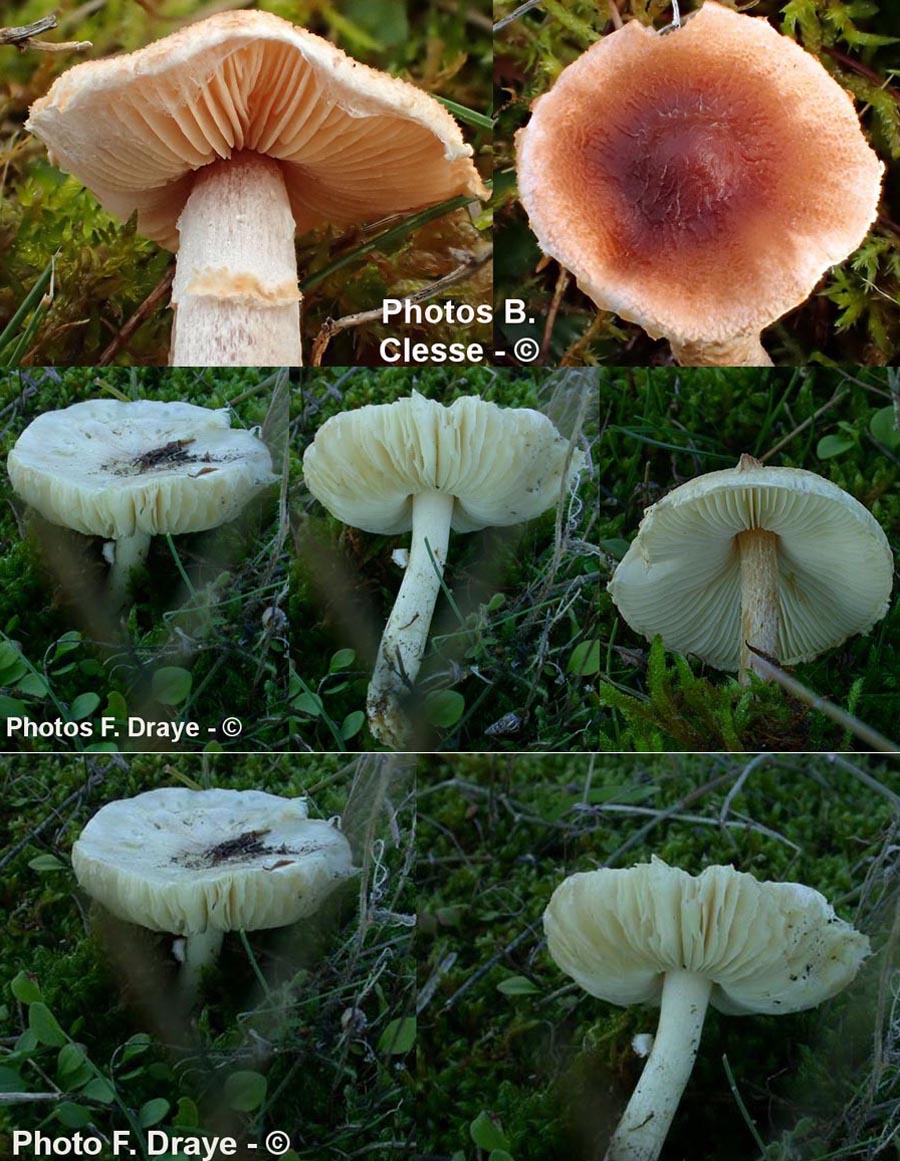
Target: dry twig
(333, 327)
(147, 307)
(24, 36)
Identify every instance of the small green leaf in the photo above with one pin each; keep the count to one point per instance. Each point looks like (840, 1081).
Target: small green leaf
(9, 655)
(116, 707)
(71, 1115)
(398, 1037)
(43, 1024)
(343, 659)
(71, 1058)
(10, 1080)
(172, 684)
(308, 703)
(12, 674)
(45, 863)
(99, 1090)
(187, 1116)
(27, 1044)
(615, 547)
(135, 1045)
(486, 1132)
(10, 707)
(517, 986)
(25, 988)
(830, 446)
(33, 685)
(66, 643)
(352, 724)
(585, 659)
(153, 1112)
(245, 1091)
(882, 428)
(444, 708)
(83, 706)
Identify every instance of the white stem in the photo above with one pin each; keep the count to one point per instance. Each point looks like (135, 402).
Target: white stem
(741, 351)
(642, 1131)
(201, 948)
(760, 604)
(128, 554)
(760, 607)
(235, 294)
(406, 633)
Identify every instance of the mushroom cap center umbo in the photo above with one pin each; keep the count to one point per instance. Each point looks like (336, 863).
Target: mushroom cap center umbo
(685, 173)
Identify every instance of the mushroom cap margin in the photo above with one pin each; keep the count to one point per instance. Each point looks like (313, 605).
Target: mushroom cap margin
(143, 859)
(680, 578)
(503, 465)
(79, 467)
(134, 128)
(768, 948)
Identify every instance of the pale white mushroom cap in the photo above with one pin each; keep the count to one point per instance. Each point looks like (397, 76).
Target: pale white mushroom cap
(354, 144)
(767, 947)
(187, 861)
(680, 578)
(503, 465)
(108, 468)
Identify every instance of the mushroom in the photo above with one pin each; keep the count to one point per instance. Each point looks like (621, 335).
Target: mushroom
(416, 464)
(698, 183)
(777, 560)
(129, 471)
(654, 934)
(229, 136)
(198, 863)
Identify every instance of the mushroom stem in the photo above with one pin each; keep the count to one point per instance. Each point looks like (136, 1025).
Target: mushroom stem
(201, 948)
(741, 351)
(642, 1131)
(760, 606)
(235, 292)
(129, 553)
(760, 610)
(406, 633)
